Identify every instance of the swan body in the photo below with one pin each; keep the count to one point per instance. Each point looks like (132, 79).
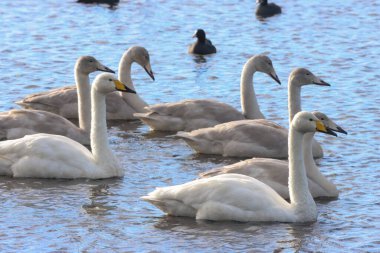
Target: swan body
(265, 10)
(254, 138)
(275, 173)
(188, 114)
(54, 156)
(193, 114)
(202, 46)
(18, 123)
(64, 101)
(242, 198)
(241, 138)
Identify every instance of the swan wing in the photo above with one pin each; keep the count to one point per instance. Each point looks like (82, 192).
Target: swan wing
(272, 172)
(46, 156)
(15, 124)
(224, 197)
(59, 101)
(64, 101)
(118, 108)
(243, 138)
(188, 115)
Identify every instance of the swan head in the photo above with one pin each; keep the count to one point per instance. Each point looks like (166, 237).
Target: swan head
(302, 76)
(263, 63)
(141, 56)
(106, 83)
(330, 124)
(88, 64)
(307, 122)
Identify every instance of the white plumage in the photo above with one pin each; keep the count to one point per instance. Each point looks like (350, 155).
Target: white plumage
(242, 198)
(275, 173)
(15, 124)
(54, 156)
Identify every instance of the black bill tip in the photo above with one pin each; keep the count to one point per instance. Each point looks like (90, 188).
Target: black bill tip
(275, 77)
(128, 90)
(322, 83)
(106, 69)
(330, 132)
(340, 130)
(150, 73)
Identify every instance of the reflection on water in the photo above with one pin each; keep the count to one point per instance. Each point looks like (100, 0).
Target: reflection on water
(98, 204)
(40, 43)
(199, 59)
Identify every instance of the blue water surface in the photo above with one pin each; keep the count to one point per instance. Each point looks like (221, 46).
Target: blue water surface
(336, 40)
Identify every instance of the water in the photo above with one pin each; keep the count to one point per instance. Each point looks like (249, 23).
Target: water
(337, 40)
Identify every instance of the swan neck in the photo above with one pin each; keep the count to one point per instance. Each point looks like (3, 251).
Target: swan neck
(300, 197)
(294, 100)
(308, 153)
(249, 104)
(84, 100)
(125, 66)
(312, 170)
(133, 100)
(99, 141)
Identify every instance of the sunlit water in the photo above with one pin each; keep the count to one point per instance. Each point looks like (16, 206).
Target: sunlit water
(337, 40)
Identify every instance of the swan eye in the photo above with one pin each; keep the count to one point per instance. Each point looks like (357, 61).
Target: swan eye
(322, 118)
(308, 74)
(310, 119)
(110, 80)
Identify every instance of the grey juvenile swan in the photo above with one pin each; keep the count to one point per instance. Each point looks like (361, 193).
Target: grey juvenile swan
(193, 114)
(275, 173)
(64, 101)
(242, 198)
(15, 124)
(254, 138)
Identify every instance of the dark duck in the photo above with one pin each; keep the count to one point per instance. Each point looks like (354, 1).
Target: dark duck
(202, 46)
(265, 10)
(109, 2)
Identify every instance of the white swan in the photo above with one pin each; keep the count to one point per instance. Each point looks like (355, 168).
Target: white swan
(275, 173)
(64, 101)
(193, 114)
(254, 138)
(242, 198)
(15, 124)
(55, 156)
